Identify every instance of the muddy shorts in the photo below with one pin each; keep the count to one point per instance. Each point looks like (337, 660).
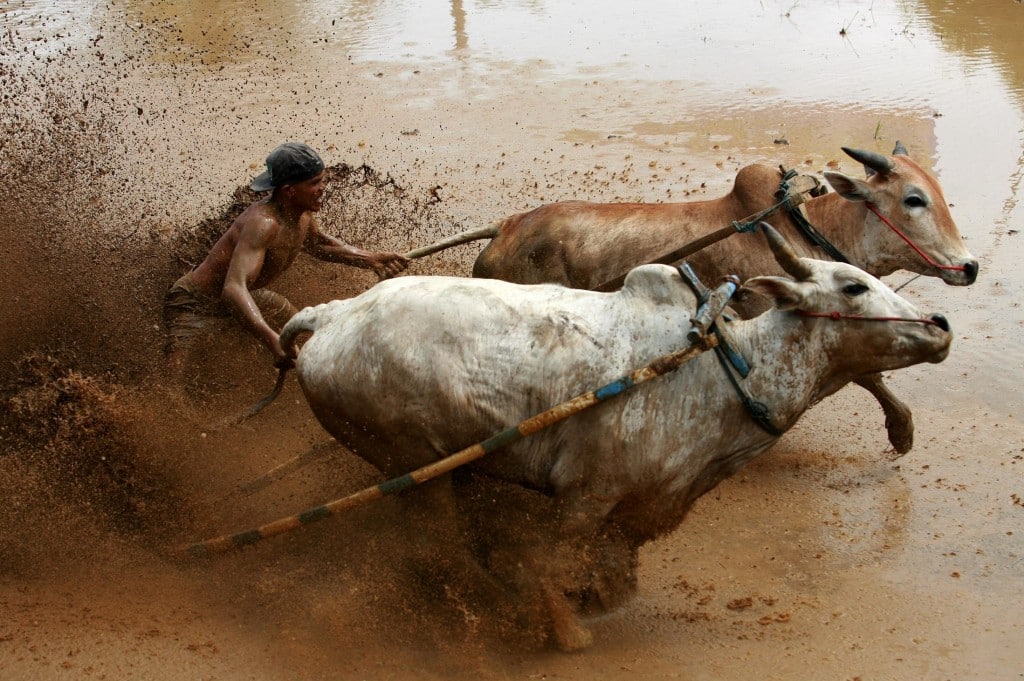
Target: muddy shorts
(189, 314)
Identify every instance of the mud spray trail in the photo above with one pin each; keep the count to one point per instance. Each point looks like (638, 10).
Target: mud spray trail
(106, 466)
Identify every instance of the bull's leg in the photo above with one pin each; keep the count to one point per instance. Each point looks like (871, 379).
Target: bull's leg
(441, 548)
(570, 633)
(579, 517)
(556, 568)
(899, 421)
(608, 579)
(437, 544)
(539, 572)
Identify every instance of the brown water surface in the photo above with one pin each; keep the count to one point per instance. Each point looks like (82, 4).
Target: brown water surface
(130, 130)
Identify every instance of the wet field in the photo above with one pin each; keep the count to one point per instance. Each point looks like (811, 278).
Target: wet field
(130, 132)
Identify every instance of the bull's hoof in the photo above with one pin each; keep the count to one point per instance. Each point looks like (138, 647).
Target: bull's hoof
(610, 579)
(572, 636)
(901, 432)
(608, 591)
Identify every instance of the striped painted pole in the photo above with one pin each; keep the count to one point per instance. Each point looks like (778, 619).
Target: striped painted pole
(525, 428)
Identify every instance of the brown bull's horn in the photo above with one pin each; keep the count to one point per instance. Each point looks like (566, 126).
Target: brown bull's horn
(899, 149)
(784, 255)
(873, 161)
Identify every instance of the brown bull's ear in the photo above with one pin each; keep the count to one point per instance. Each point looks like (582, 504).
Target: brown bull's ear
(785, 293)
(848, 187)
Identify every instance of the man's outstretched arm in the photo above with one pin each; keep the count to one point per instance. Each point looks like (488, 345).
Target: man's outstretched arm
(326, 247)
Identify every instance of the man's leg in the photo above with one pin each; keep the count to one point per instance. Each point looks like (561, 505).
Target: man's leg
(186, 317)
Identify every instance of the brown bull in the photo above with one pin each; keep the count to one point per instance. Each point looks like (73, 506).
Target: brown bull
(584, 245)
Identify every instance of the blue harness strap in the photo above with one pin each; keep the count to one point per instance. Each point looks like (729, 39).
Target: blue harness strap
(729, 357)
(735, 358)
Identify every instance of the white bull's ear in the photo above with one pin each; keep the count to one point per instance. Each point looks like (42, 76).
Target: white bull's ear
(849, 188)
(786, 293)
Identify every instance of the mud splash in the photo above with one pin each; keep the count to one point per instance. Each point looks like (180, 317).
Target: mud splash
(105, 465)
(75, 464)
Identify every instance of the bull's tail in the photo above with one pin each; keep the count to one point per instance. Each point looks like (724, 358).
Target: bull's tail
(304, 321)
(488, 232)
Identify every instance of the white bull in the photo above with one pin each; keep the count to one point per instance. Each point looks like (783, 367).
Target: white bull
(419, 367)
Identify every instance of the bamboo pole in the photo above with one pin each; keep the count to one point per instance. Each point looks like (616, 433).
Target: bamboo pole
(658, 367)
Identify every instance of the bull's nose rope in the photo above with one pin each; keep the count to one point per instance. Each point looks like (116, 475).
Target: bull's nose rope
(924, 256)
(836, 316)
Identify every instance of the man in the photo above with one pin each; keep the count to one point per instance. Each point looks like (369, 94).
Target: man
(259, 245)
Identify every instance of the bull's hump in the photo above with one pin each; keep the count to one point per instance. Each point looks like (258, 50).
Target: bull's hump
(660, 284)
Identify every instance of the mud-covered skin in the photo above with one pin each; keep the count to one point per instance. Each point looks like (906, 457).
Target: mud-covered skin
(262, 243)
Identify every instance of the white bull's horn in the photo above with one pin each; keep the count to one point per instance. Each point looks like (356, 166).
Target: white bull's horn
(784, 255)
(873, 161)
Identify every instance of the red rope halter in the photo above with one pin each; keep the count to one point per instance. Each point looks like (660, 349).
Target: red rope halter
(925, 256)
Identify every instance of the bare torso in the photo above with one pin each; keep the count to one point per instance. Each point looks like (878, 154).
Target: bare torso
(284, 241)
(262, 243)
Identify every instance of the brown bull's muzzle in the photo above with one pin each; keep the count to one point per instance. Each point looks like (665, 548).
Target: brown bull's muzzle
(961, 277)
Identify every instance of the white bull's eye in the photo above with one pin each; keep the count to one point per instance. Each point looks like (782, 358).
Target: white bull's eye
(854, 289)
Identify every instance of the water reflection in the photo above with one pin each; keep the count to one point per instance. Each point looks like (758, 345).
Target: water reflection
(935, 62)
(986, 32)
(459, 15)
(900, 54)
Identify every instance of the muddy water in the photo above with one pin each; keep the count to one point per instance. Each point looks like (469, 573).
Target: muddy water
(128, 125)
